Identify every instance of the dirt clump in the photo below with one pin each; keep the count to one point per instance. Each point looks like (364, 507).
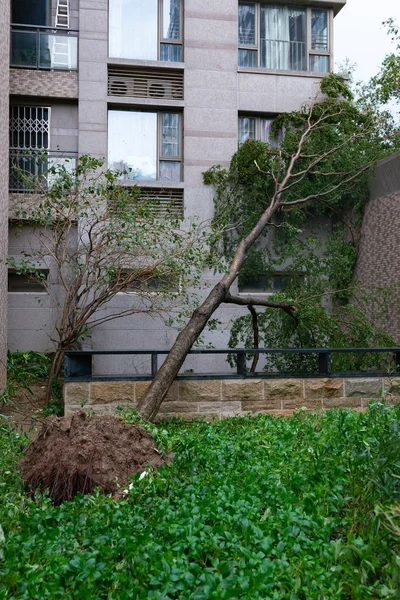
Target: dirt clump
(80, 453)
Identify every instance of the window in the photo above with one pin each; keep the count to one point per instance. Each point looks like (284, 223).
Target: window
(21, 282)
(145, 145)
(257, 128)
(268, 283)
(29, 142)
(140, 280)
(146, 29)
(278, 37)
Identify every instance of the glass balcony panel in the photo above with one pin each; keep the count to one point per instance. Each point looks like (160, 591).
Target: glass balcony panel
(23, 49)
(58, 52)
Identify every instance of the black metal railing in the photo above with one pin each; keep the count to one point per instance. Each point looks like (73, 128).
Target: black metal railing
(79, 364)
(38, 47)
(29, 170)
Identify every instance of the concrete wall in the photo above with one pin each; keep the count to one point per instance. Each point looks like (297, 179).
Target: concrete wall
(4, 96)
(378, 261)
(230, 397)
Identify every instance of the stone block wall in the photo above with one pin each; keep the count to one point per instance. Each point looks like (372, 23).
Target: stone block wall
(49, 84)
(221, 398)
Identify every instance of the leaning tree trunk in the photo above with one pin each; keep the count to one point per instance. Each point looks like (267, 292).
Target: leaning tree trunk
(150, 403)
(55, 368)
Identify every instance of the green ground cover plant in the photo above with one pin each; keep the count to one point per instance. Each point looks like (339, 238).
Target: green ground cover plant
(253, 508)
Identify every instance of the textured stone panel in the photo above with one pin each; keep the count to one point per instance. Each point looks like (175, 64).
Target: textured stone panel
(186, 416)
(363, 387)
(196, 391)
(76, 393)
(262, 405)
(281, 413)
(392, 386)
(105, 392)
(342, 402)
(324, 388)
(241, 389)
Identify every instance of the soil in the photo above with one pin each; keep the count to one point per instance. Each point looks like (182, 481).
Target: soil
(79, 453)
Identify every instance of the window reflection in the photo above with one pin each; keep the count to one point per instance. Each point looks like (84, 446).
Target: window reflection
(133, 29)
(132, 143)
(171, 19)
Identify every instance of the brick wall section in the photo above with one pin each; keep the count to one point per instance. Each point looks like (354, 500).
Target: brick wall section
(231, 397)
(4, 100)
(54, 84)
(378, 262)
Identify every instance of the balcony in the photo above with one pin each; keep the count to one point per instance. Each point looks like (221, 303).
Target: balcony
(37, 47)
(29, 170)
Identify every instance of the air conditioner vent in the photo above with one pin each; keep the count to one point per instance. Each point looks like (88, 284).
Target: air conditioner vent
(160, 84)
(163, 202)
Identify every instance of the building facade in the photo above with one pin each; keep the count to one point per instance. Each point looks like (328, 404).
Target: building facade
(165, 87)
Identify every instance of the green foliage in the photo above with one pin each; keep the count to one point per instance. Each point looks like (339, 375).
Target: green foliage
(23, 369)
(385, 86)
(250, 508)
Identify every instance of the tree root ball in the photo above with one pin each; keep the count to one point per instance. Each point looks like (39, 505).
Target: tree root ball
(78, 454)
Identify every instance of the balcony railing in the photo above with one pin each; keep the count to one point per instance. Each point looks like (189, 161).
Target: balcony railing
(285, 55)
(37, 47)
(29, 171)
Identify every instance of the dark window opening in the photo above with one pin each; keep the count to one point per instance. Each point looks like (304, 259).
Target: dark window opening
(23, 282)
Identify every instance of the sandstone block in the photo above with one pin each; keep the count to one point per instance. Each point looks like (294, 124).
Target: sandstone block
(76, 393)
(392, 385)
(261, 405)
(281, 413)
(185, 416)
(179, 407)
(200, 391)
(284, 388)
(106, 392)
(142, 386)
(324, 388)
(70, 409)
(242, 389)
(210, 407)
(231, 409)
(368, 387)
(292, 403)
(355, 402)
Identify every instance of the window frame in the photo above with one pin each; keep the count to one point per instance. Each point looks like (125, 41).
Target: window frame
(274, 143)
(271, 290)
(160, 158)
(309, 51)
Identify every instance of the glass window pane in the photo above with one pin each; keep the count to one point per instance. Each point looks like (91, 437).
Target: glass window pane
(170, 170)
(247, 129)
(18, 282)
(319, 63)
(171, 52)
(247, 24)
(133, 29)
(247, 58)
(170, 134)
(171, 19)
(132, 143)
(30, 12)
(319, 29)
(283, 38)
(58, 51)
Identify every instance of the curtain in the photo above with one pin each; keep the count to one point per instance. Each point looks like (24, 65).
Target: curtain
(275, 37)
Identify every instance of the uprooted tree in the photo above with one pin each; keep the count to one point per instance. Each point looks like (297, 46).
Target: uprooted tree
(91, 238)
(328, 149)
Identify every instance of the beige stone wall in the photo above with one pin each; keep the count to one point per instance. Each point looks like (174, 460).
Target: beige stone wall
(229, 397)
(4, 99)
(53, 84)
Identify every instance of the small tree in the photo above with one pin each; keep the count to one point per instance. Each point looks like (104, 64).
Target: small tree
(327, 151)
(92, 238)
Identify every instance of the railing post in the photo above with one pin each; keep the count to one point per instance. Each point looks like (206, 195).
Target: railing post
(241, 364)
(154, 364)
(324, 363)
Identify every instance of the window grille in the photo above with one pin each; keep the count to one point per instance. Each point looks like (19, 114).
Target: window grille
(29, 127)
